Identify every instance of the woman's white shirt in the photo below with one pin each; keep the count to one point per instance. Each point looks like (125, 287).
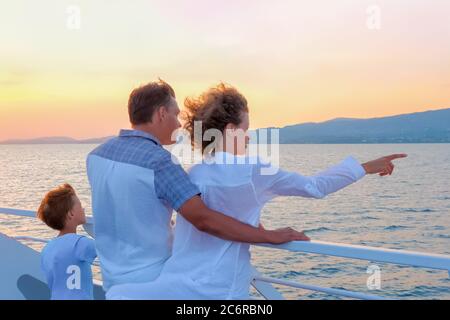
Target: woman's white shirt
(238, 187)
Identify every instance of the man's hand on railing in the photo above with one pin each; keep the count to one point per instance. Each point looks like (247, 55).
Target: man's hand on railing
(284, 235)
(383, 166)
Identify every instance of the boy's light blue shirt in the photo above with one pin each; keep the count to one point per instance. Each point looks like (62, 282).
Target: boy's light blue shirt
(66, 263)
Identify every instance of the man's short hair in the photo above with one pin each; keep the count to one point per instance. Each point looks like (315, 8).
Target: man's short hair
(146, 99)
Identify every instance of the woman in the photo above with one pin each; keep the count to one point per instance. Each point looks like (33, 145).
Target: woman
(206, 267)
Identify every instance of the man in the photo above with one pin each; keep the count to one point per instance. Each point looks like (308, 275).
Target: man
(135, 187)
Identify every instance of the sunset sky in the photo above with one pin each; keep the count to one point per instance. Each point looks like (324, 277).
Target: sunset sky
(295, 61)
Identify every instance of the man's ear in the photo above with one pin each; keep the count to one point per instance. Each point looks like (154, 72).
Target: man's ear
(156, 116)
(162, 113)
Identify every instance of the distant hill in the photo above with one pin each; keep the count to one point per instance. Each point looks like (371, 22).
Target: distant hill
(56, 140)
(421, 127)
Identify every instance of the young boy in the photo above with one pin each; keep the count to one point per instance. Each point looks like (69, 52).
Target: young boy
(66, 260)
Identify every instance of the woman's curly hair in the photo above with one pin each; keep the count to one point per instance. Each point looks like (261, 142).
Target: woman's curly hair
(215, 108)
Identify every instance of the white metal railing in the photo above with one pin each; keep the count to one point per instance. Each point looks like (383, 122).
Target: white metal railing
(29, 213)
(330, 291)
(401, 257)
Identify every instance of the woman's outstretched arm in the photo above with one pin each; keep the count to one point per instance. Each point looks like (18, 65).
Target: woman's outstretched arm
(284, 183)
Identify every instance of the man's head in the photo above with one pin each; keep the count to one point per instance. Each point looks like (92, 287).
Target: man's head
(61, 207)
(153, 108)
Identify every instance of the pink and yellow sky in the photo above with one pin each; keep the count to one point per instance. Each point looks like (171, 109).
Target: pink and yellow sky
(296, 61)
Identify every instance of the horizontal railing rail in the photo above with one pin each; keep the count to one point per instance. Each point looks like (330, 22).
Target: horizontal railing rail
(326, 290)
(29, 213)
(401, 257)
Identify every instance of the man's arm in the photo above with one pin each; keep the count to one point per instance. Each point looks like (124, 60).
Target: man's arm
(217, 224)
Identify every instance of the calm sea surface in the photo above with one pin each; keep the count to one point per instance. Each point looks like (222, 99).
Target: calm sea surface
(408, 210)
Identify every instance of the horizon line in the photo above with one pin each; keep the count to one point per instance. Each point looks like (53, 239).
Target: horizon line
(251, 129)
